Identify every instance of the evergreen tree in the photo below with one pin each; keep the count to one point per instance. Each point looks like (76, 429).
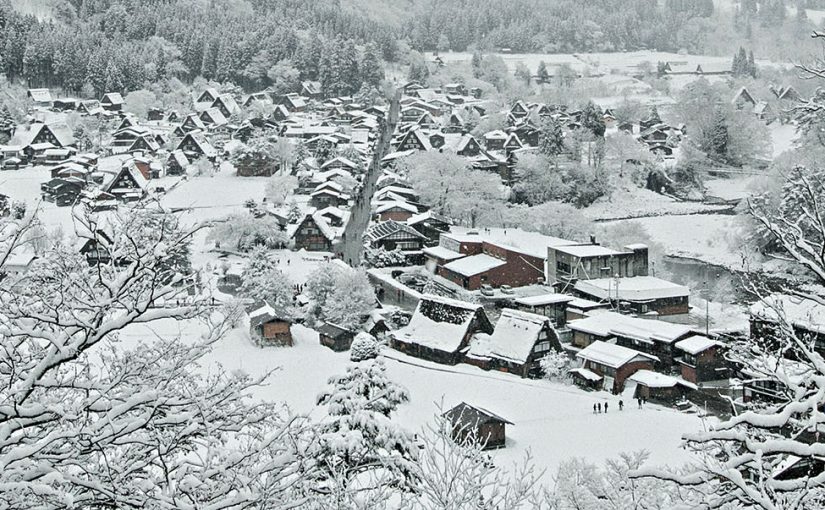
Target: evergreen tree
(718, 141)
(751, 65)
(359, 437)
(543, 75)
(475, 64)
(592, 120)
(551, 139)
(371, 66)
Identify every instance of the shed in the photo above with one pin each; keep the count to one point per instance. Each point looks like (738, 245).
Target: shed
(270, 325)
(470, 423)
(335, 337)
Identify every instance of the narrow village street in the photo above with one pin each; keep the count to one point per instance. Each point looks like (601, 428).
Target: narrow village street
(357, 225)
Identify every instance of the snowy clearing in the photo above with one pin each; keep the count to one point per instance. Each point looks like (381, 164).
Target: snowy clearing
(638, 202)
(553, 421)
(711, 238)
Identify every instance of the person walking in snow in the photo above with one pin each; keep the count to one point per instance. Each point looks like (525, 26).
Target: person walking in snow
(605, 407)
(594, 408)
(640, 402)
(621, 405)
(599, 407)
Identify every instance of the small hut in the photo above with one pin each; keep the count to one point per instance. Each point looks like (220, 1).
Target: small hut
(469, 422)
(335, 337)
(270, 325)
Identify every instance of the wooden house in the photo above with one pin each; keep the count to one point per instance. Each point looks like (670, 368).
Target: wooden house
(62, 191)
(517, 343)
(40, 97)
(414, 139)
(213, 118)
(269, 325)
(327, 197)
(431, 225)
(743, 99)
(227, 105)
(208, 96)
(192, 122)
(640, 294)
(608, 366)
(658, 387)
(395, 210)
(468, 146)
(777, 313)
(195, 146)
(650, 336)
(701, 360)
(519, 110)
(292, 102)
(474, 424)
(112, 101)
(127, 184)
(440, 329)
(314, 233)
(176, 163)
(311, 89)
(335, 337)
(391, 235)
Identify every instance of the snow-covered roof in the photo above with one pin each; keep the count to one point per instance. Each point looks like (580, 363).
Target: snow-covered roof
(386, 228)
(439, 323)
(653, 379)
(586, 374)
(637, 288)
(427, 215)
(396, 204)
(442, 253)
(696, 344)
(588, 250)
(607, 324)
(612, 355)
(396, 155)
(800, 312)
(513, 338)
(544, 299)
(474, 264)
(529, 243)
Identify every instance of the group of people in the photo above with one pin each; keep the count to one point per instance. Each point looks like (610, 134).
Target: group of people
(599, 408)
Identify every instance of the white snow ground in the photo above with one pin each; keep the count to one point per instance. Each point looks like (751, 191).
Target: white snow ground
(552, 420)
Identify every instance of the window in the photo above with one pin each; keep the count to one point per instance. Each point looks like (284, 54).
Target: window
(541, 347)
(406, 245)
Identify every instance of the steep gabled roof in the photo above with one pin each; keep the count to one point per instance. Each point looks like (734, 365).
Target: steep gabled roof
(387, 228)
(442, 323)
(513, 338)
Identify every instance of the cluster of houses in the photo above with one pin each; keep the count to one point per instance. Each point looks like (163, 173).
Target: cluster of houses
(763, 109)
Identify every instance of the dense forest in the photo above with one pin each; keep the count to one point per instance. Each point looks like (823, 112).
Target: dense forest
(94, 46)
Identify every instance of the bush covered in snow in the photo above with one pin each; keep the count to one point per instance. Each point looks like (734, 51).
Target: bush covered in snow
(364, 347)
(555, 366)
(383, 258)
(339, 294)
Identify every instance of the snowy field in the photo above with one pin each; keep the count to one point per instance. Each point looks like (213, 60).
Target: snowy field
(553, 421)
(711, 238)
(632, 202)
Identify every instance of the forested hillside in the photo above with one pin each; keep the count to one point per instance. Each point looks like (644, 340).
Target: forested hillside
(105, 45)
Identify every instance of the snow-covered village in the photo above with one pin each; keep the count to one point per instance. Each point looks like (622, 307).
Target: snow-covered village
(380, 255)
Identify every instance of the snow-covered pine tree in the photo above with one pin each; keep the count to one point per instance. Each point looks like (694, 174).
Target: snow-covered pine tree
(359, 442)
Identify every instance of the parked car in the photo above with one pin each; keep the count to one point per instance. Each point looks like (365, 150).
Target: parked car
(12, 164)
(506, 289)
(487, 290)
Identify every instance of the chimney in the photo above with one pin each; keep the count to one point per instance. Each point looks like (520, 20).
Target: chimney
(593, 239)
